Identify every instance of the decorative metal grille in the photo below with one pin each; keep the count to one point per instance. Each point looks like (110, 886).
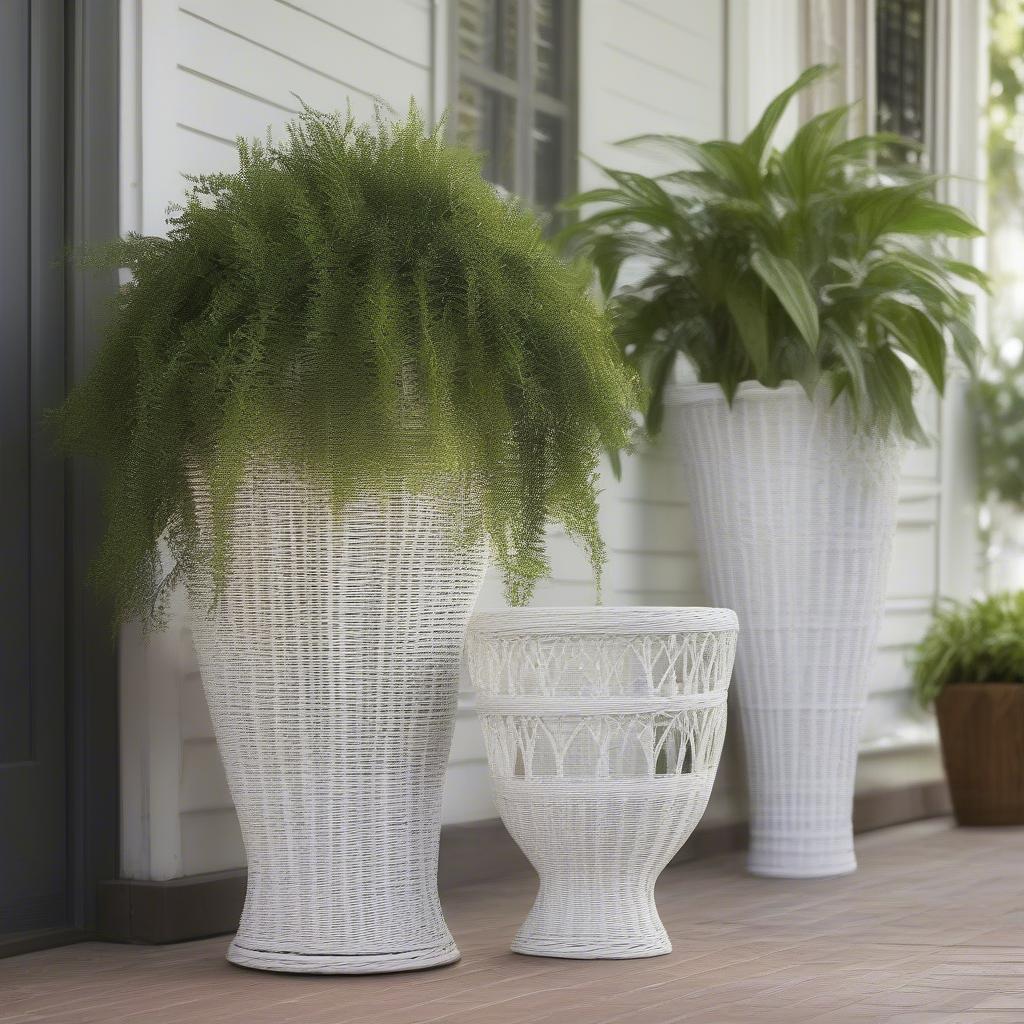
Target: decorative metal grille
(901, 52)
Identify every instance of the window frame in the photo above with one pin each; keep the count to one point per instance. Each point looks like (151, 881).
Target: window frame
(933, 13)
(844, 32)
(522, 91)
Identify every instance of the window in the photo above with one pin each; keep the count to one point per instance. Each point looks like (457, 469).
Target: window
(513, 92)
(901, 51)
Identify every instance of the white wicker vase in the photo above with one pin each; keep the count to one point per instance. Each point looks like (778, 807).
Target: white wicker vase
(331, 667)
(794, 511)
(603, 727)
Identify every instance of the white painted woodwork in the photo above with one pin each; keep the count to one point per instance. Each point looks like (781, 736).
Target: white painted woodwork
(196, 73)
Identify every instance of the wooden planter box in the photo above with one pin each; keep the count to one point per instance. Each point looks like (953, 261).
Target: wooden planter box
(982, 730)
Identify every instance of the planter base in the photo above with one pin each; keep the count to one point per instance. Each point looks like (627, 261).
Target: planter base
(844, 867)
(782, 854)
(326, 963)
(575, 948)
(610, 918)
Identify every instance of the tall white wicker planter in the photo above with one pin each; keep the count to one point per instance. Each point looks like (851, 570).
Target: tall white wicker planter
(794, 513)
(330, 665)
(603, 728)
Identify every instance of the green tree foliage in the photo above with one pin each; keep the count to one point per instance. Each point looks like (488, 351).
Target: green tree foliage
(758, 264)
(999, 399)
(978, 642)
(1005, 106)
(358, 304)
(999, 391)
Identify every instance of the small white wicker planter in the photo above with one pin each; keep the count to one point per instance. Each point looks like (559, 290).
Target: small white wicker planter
(794, 512)
(331, 667)
(604, 727)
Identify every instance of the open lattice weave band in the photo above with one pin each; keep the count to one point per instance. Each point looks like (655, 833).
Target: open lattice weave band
(603, 729)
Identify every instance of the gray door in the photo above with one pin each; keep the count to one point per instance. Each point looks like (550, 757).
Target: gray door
(34, 847)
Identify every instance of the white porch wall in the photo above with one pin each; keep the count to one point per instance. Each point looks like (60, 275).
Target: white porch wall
(195, 74)
(206, 70)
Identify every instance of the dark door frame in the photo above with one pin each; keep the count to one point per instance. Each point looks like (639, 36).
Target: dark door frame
(93, 215)
(89, 108)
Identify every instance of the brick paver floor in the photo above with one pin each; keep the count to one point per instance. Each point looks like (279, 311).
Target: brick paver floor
(930, 929)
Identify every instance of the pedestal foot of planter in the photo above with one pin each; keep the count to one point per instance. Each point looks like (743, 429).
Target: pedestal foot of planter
(326, 963)
(617, 920)
(576, 948)
(846, 868)
(795, 860)
(604, 727)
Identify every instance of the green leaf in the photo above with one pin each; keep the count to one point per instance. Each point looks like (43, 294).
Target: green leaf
(869, 145)
(657, 378)
(966, 345)
(969, 273)
(737, 164)
(791, 289)
(891, 389)
(640, 187)
(805, 370)
(917, 336)
(871, 207)
(759, 139)
(728, 161)
(607, 254)
(915, 274)
(595, 195)
(926, 216)
(805, 161)
(851, 356)
(746, 306)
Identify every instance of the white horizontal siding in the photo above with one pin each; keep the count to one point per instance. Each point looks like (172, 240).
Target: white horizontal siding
(214, 69)
(240, 69)
(196, 75)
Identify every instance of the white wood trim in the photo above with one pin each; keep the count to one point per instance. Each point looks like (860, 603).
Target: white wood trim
(962, 86)
(149, 666)
(764, 53)
(440, 78)
(160, 176)
(130, 120)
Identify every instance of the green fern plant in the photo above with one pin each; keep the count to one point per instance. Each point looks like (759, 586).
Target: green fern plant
(813, 262)
(359, 304)
(977, 642)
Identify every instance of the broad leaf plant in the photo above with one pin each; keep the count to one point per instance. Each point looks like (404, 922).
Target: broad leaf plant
(820, 262)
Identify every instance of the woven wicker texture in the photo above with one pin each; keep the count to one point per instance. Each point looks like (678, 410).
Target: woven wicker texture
(603, 729)
(794, 513)
(331, 668)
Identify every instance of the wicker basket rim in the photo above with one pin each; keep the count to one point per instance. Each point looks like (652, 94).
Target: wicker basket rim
(689, 394)
(628, 620)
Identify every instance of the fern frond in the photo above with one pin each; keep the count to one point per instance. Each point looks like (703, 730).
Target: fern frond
(361, 304)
